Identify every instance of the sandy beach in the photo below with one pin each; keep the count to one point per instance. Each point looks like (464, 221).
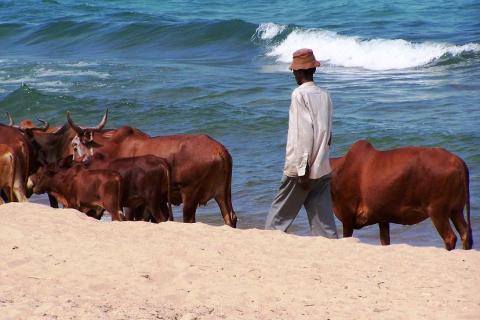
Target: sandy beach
(60, 264)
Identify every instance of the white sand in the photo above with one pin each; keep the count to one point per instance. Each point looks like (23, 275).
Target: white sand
(60, 264)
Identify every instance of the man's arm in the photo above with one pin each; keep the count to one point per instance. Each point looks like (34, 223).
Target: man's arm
(304, 128)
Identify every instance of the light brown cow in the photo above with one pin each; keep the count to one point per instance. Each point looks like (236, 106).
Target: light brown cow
(89, 191)
(405, 186)
(7, 172)
(29, 153)
(24, 155)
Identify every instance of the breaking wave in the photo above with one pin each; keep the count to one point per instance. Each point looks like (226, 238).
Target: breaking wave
(334, 49)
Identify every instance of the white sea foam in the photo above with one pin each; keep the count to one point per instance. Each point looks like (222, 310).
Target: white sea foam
(81, 64)
(42, 72)
(269, 30)
(51, 84)
(21, 80)
(40, 83)
(375, 54)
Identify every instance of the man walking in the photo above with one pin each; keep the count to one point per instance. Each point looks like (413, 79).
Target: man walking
(307, 172)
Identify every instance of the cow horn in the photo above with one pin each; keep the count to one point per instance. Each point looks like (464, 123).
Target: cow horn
(10, 119)
(72, 124)
(46, 125)
(103, 122)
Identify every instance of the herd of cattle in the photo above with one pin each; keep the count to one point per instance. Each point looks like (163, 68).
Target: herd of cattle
(134, 176)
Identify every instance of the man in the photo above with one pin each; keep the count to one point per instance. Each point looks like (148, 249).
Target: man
(307, 172)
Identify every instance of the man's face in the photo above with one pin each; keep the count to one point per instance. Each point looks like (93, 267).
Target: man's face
(298, 76)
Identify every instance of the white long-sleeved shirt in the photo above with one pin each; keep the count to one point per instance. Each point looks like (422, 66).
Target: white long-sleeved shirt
(309, 129)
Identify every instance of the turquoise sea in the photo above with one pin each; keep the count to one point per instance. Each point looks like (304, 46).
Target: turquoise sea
(400, 73)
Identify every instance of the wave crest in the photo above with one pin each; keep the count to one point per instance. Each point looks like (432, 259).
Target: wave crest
(270, 30)
(347, 51)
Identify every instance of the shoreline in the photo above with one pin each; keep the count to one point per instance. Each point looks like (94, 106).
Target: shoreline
(58, 263)
(422, 234)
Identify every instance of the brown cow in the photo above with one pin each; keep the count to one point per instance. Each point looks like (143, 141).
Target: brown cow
(37, 151)
(7, 171)
(146, 183)
(405, 186)
(201, 166)
(89, 191)
(28, 124)
(24, 155)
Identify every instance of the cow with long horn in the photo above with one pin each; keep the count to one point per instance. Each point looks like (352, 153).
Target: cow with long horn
(201, 166)
(27, 124)
(39, 145)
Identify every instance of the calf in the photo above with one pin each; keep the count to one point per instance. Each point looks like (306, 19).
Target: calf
(146, 184)
(7, 172)
(405, 186)
(89, 191)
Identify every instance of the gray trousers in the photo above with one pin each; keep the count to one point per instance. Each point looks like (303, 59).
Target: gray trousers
(316, 198)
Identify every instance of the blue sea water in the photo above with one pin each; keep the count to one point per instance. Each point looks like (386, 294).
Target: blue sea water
(400, 73)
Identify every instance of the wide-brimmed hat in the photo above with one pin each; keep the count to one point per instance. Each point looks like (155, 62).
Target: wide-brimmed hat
(304, 59)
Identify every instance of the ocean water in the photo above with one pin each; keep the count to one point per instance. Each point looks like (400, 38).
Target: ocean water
(403, 73)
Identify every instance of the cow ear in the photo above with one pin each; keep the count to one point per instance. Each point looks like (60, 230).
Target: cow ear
(89, 136)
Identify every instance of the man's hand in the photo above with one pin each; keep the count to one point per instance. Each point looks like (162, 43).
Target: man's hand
(303, 181)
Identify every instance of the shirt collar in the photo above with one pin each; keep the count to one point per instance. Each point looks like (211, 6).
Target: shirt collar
(308, 84)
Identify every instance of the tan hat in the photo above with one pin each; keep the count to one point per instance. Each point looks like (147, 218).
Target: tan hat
(304, 59)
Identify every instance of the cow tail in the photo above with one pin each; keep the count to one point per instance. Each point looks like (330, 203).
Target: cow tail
(169, 191)
(228, 167)
(118, 202)
(467, 189)
(14, 168)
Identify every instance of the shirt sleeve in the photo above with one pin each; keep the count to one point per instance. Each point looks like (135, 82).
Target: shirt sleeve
(330, 121)
(304, 130)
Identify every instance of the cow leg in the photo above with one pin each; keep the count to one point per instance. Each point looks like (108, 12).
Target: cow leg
(19, 192)
(157, 210)
(442, 224)
(149, 216)
(189, 210)
(93, 213)
(111, 193)
(19, 187)
(228, 214)
(140, 213)
(53, 201)
(347, 227)
(190, 204)
(462, 228)
(384, 233)
(117, 215)
(111, 205)
(164, 212)
(129, 213)
(6, 195)
(3, 197)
